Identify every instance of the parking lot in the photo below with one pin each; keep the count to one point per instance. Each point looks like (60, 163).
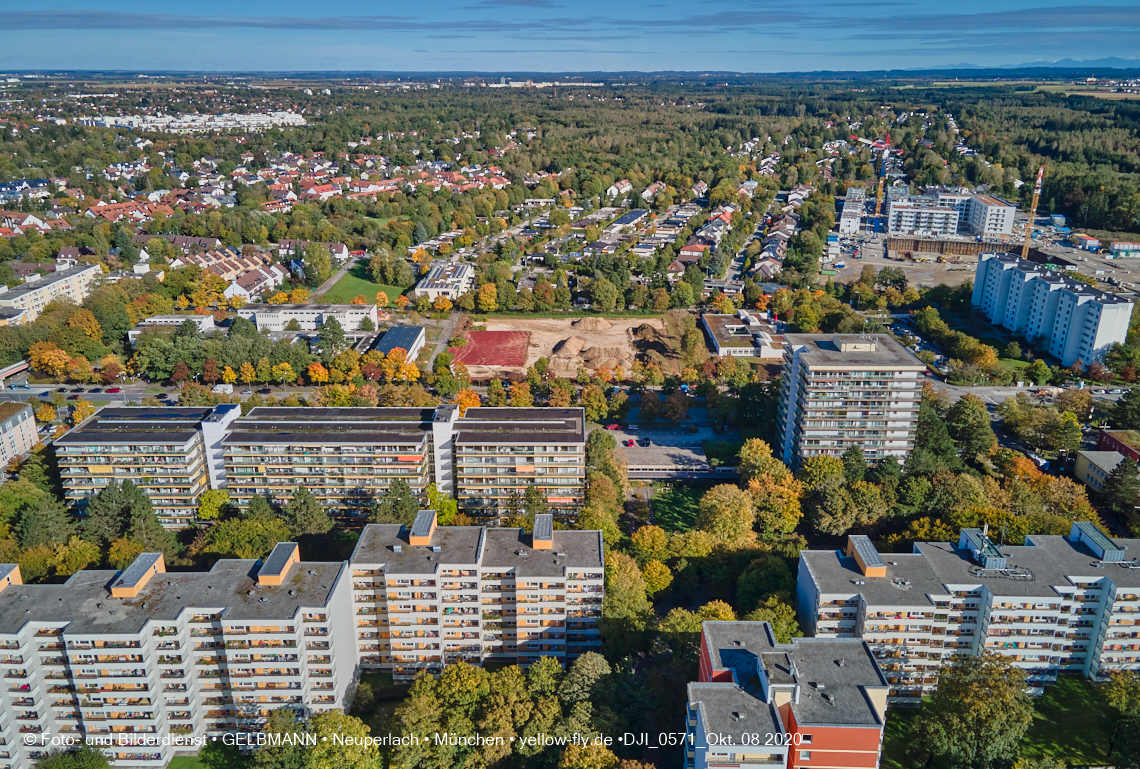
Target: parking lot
(673, 451)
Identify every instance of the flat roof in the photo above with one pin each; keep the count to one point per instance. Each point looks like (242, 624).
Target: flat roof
(330, 426)
(137, 425)
(735, 715)
(823, 351)
(459, 546)
(12, 408)
(404, 337)
(521, 426)
(131, 575)
(86, 604)
(836, 667)
(1045, 566)
(47, 280)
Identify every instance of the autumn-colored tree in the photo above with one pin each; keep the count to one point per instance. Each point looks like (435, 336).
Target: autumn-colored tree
(441, 303)
(467, 399)
(81, 411)
(80, 370)
(46, 413)
(381, 299)
(279, 298)
(48, 358)
(74, 555)
(359, 299)
(246, 373)
(210, 373)
(123, 552)
(85, 320)
(317, 373)
(228, 375)
(521, 396)
(180, 373)
(488, 297)
(657, 576)
(112, 368)
(298, 296)
(402, 302)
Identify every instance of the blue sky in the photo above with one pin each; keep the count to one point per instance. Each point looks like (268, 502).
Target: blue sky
(557, 35)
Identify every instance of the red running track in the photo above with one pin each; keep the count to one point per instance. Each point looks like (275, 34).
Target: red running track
(493, 348)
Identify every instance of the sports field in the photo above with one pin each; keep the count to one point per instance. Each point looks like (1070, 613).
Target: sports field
(493, 348)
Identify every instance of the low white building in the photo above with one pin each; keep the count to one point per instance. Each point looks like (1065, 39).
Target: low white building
(310, 317)
(203, 322)
(743, 335)
(448, 280)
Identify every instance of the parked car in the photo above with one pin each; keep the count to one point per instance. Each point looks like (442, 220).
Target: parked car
(265, 391)
(73, 397)
(1115, 391)
(646, 442)
(113, 390)
(630, 442)
(247, 392)
(613, 427)
(96, 390)
(77, 389)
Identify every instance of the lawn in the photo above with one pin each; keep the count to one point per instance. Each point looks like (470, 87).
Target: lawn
(356, 283)
(1071, 722)
(675, 507)
(213, 755)
(725, 451)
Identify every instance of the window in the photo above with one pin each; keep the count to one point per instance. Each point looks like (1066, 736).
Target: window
(805, 739)
(805, 755)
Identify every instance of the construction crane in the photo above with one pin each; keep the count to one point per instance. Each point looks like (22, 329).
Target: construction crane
(1032, 213)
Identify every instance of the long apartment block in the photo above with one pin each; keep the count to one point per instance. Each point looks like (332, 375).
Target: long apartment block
(172, 454)
(762, 704)
(1068, 319)
(1053, 605)
(143, 663)
(345, 456)
(431, 595)
(846, 390)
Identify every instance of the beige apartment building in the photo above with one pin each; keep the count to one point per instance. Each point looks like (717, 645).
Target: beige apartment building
(1053, 605)
(72, 284)
(146, 663)
(432, 595)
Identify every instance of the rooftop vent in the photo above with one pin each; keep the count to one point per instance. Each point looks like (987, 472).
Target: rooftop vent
(436, 549)
(841, 663)
(1105, 548)
(984, 552)
(397, 548)
(737, 715)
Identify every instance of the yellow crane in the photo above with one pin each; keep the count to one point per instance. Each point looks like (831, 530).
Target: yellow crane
(1032, 213)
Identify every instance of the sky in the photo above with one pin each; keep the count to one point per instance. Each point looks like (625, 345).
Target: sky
(557, 35)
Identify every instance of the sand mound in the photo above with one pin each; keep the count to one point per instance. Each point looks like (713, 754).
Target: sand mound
(569, 347)
(592, 354)
(592, 324)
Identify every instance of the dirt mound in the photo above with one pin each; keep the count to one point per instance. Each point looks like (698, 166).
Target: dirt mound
(569, 347)
(592, 324)
(592, 354)
(645, 333)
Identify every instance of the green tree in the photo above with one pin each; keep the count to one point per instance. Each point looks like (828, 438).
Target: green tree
(854, 465)
(979, 713)
(397, 505)
(534, 503)
(304, 514)
(106, 518)
(83, 757)
(281, 721)
(332, 339)
(725, 511)
(604, 294)
(342, 742)
(316, 262)
(446, 507)
(251, 537)
(585, 678)
(780, 616)
(968, 422)
(1121, 490)
(1126, 414)
(45, 523)
(755, 460)
(626, 611)
(1038, 371)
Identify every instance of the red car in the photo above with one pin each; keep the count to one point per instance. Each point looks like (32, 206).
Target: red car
(628, 443)
(613, 427)
(113, 390)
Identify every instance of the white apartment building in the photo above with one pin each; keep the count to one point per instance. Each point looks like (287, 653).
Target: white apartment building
(145, 663)
(448, 280)
(346, 457)
(1055, 604)
(432, 595)
(987, 215)
(921, 216)
(17, 430)
(72, 284)
(309, 317)
(853, 208)
(843, 390)
(1068, 319)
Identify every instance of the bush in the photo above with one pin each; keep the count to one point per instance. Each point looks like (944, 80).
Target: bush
(457, 341)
